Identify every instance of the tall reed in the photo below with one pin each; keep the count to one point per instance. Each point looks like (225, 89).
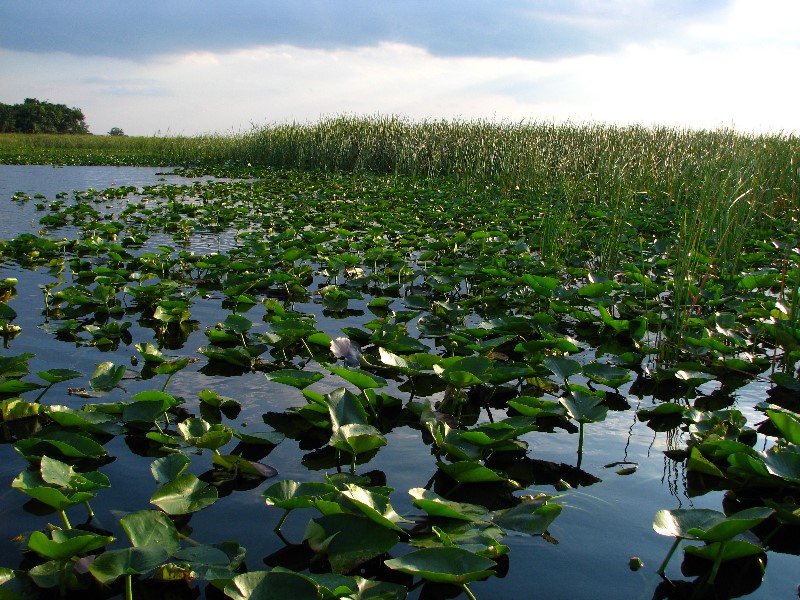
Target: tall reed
(721, 182)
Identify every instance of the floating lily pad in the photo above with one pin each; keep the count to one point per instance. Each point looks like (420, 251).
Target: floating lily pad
(348, 540)
(271, 585)
(294, 377)
(183, 495)
(444, 565)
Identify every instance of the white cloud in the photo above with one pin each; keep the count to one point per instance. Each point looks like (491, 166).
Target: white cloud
(737, 71)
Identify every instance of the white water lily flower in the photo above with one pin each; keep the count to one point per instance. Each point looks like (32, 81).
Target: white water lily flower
(344, 347)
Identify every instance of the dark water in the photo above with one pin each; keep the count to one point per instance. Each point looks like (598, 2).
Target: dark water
(601, 527)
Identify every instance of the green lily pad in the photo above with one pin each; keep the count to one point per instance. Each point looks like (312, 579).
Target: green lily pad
(92, 422)
(15, 386)
(15, 585)
(584, 407)
(259, 438)
(151, 527)
(469, 472)
(147, 407)
(68, 443)
(150, 353)
(294, 377)
(113, 564)
(444, 565)
(212, 398)
(494, 434)
(107, 376)
(66, 544)
(436, 506)
(58, 375)
(359, 378)
(462, 372)
(201, 434)
(561, 367)
(348, 540)
(63, 475)
(290, 495)
(788, 424)
(211, 561)
(183, 495)
(167, 468)
(698, 462)
(272, 585)
(31, 483)
(530, 517)
(784, 463)
(729, 550)
(357, 438)
(374, 505)
(243, 466)
(707, 525)
(345, 408)
(531, 407)
(607, 374)
(238, 324)
(14, 409)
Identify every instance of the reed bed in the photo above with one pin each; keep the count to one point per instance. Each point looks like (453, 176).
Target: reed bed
(716, 185)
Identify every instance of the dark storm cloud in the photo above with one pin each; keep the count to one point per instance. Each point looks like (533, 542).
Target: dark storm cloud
(534, 29)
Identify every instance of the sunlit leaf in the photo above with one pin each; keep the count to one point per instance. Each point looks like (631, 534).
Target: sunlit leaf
(183, 495)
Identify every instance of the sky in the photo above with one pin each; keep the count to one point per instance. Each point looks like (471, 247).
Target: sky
(189, 67)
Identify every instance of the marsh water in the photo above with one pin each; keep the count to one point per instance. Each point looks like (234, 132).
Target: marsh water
(607, 516)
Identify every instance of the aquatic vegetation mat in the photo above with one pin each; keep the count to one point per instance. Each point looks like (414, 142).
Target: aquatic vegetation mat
(376, 311)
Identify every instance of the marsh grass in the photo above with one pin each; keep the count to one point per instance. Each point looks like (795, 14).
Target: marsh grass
(713, 188)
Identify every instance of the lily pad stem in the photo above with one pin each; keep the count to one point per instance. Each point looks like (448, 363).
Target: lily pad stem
(65, 519)
(129, 587)
(580, 446)
(667, 558)
(166, 383)
(468, 592)
(89, 510)
(717, 562)
(43, 392)
(62, 580)
(282, 521)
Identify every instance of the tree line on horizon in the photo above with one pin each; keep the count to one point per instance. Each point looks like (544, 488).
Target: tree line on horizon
(35, 116)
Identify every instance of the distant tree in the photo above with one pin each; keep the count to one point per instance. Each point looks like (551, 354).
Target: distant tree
(116, 131)
(35, 116)
(6, 118)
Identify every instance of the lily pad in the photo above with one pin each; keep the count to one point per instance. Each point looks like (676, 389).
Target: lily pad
(183, 495)
(436, 506)
(444, 565)
(113, 564)
(707, 525)
(66, 544)
(348, 540)
(469, 472)
(294, 377)
(272, 585)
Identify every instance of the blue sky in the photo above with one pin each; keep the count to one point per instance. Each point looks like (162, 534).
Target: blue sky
(203, 66)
